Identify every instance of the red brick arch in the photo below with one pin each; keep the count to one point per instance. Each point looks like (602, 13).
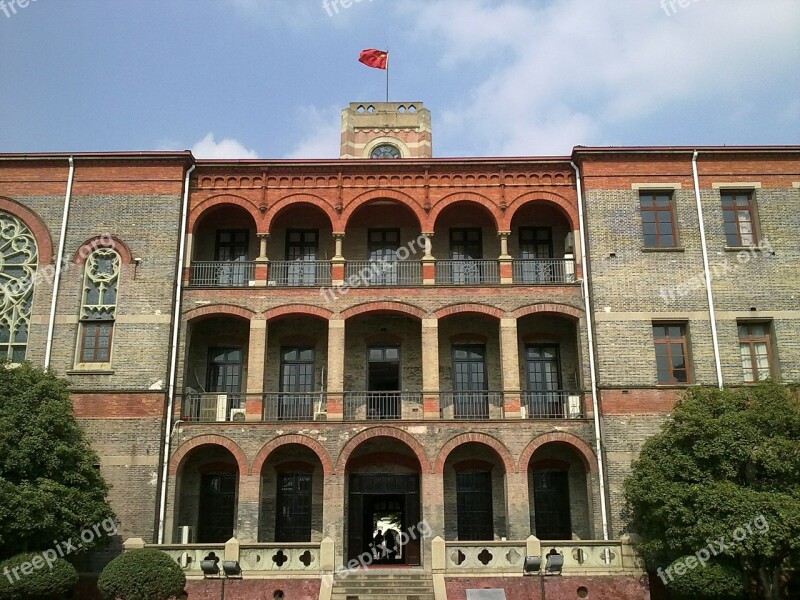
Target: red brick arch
(479, 438)
(285, 440)
(103, 241)
(389, 307)
(180, 455)
(44, 243)
(218, 310)
(306, 310)
(548, 307)
(472, 307)
(372, 195)
(390, 432)
(199, 211)
(567, 208)
(581, 448)
(468, 198)
(293, 200)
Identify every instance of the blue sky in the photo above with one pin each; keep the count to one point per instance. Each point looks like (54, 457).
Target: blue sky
(268, 78)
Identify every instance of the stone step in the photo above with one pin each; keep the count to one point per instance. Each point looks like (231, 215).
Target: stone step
(384, 585)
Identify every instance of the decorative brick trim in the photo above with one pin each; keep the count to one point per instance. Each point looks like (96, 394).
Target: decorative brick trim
(383, 431)
(469, 307)
(295, 200)
(567, 207)
(581, 448)
(305, 310)
(219, 310)
(104, 241)
(371, 195)
(478, 438)
(179, 456)
(285, 440)
(198, 211)
(44, 243)
(468, 198)
(384, 306)
(547, 307)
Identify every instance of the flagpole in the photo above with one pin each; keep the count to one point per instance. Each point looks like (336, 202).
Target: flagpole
(387, 74)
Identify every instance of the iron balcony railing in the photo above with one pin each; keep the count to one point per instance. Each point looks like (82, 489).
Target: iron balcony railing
(472, 404)
(467, 272)
(545, 270)
(384, 273)
(380, 406)
(221, 273)
(299, 273)
(213, 407)
(294, 406)
(555, 404)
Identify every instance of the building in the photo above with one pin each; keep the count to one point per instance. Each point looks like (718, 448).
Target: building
(298, 353)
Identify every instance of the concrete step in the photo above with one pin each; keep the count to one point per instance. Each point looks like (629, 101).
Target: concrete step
(383, 585)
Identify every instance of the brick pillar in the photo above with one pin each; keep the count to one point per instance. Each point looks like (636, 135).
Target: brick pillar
(432, 511)
(430, 368)
(335, 383)
(338, 261)
(428, 261)
(519, 520)
(187, 260)
(506, 262)
(509, 358)
(256, 356)
(247, 508)
(333, 514)
(261, 274)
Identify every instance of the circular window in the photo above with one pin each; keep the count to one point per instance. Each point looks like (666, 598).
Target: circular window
(583, 592)
(385, 151)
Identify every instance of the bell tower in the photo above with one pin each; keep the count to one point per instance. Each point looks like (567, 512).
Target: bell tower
(386, 130)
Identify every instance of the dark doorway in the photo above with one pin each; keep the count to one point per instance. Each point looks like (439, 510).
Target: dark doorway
(293, 514)
(383, 382)
(232, 248)
(382, 247)
(302, 250)
(474, 506)
(385, 501)
(297, 384)
(470, 399)
(543, 367)
(217, 510)
(551, 505)
(466, 245)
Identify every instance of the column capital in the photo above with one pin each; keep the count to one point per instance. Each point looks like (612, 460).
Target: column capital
(503, 234)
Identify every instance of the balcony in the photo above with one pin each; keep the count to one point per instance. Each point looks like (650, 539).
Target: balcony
(385, 273)
(299, 273)
(219, 273)
(471, 405)
(544, 271)
(213, 407)
(467, 272)
(552, 405)
(294, 406)
(382, 406)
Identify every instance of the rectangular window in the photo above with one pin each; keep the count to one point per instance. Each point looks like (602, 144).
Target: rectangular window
(658, 219)
(672, 356)
(293, 514)
(756, 351)
(96, 341)
(737, 211)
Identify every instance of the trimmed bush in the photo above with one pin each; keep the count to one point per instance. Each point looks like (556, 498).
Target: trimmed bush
(144, 574)
(714, 581)
(41, 582)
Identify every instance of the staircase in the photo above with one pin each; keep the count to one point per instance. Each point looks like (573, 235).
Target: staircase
(384, 584)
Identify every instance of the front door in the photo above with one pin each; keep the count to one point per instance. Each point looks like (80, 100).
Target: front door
(543, 368)
(302, 250)
(470, 400)
(383, 382)
(297, 384)
(293, 514)
(551, 505)
(474, 506)
(217, 508)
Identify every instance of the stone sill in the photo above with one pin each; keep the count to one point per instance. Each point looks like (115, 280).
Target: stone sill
(668, 249)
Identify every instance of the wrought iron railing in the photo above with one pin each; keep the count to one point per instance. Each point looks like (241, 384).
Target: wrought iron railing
(299, 273)
(378, 406)
(546, 270)
(472, 404)
(467, 272)
(213, 407)
(221, 274)
(294, 406)
(384, 273)
(555, 404)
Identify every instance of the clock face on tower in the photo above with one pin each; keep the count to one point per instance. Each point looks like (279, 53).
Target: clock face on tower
(385, 151)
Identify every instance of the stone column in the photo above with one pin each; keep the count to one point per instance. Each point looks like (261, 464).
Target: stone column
(506, 262)
(509, 358)
(261, 274)
(256, 358)
(428, 261)
(430, 368)
(338, 261)
(335, 383)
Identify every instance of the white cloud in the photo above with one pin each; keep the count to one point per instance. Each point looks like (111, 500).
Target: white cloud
(322, 133)
(225, 148)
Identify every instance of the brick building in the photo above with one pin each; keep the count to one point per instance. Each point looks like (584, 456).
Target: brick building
(300, 353)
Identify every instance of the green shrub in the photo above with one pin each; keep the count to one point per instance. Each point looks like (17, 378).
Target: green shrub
(42, 582)
(714, 581)
(144, 574)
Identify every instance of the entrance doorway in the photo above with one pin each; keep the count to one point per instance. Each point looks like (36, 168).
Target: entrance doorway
(551, 505)
(217, 510)
(385, 503)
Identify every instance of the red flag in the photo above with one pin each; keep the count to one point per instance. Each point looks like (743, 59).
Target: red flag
(376, 59)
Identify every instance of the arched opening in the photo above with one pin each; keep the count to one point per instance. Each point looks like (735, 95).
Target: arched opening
(383, 503)
(550, 367)
(383, 367)
(381, 240)
(216, 369)
(474, 494)
(300, 246)
(558, 489)
(224, 246)
(542, 244)
(291, 496)
(207, 489)
(466, 245)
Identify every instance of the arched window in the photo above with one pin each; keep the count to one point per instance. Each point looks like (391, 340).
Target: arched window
(99, 306)
(18, 261)
(385, 151)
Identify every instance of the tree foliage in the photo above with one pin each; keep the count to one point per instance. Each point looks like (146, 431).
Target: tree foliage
(143, 574)
(42, 583)
(725, 459)
(50, 489)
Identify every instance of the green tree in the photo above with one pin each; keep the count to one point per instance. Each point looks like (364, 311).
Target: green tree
(144, 574)
(39, 580)
(50, 489)
(723, 478)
